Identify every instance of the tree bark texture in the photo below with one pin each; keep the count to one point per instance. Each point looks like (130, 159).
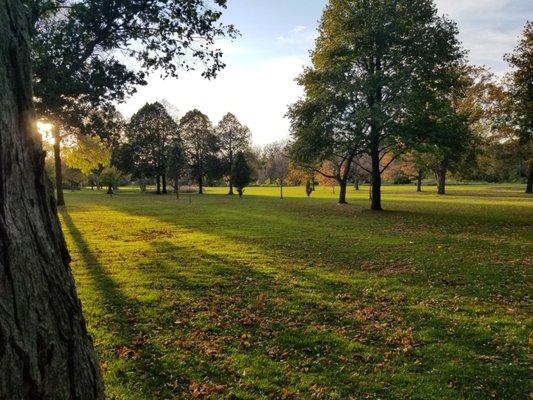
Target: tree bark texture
(45, 350)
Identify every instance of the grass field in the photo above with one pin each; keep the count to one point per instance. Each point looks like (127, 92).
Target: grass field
(262, 298)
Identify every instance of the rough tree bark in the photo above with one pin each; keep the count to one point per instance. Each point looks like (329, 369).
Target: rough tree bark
(45, 350)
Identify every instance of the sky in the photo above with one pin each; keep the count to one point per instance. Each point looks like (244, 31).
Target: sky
(258, 82)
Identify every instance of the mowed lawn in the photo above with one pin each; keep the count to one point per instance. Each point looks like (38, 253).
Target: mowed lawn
(262, 298)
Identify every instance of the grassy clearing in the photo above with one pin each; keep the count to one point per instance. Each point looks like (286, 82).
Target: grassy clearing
(261, 298)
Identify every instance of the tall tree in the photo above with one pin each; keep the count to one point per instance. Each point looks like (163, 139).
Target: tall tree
(46, 352)
(233, 138)
(277, 163)
(177, 162)
(101, 51)
(201, 145)
(522, 98)
(240, 172)
(372, 58)
(150, 134)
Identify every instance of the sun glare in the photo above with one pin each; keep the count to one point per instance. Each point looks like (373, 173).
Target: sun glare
(45, 130)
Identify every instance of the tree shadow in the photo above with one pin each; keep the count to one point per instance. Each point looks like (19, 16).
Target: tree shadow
(128, 348)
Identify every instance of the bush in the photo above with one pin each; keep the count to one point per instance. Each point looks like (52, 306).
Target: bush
(401, 180)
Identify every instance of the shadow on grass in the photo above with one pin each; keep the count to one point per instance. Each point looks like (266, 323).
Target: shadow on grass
(130, 350)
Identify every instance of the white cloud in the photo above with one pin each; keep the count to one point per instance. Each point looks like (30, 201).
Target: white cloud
(299, 28)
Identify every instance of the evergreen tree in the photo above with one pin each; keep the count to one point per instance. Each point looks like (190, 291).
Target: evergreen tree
(241, 175)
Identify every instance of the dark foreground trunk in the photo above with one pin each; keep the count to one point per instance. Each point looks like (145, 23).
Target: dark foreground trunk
(45, 350)
(281, 189)
(529, 188)
(231, 187)
(375, 203)
(60, 199)
(419, 183)
(356, 184)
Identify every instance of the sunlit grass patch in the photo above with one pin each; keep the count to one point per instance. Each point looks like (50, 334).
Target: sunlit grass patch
(220, 297)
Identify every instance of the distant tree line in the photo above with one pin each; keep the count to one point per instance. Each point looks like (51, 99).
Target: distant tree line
(156, 146)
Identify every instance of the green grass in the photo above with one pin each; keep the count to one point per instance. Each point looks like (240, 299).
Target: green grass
(262, 298)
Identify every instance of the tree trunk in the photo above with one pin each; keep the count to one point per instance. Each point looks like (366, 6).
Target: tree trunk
(200, 185)
(177, 185)
(230, 187)
(45, 350)
(342, 192)
(356, 184)
(110, 189)
(376, 180)
(441, 179)
(164, 179)
(419, 183)
(281, 189)
(529, 188)
(158, 184)
(60, 199)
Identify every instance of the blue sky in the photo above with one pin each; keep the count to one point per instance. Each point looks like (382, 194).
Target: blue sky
(276, 36)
